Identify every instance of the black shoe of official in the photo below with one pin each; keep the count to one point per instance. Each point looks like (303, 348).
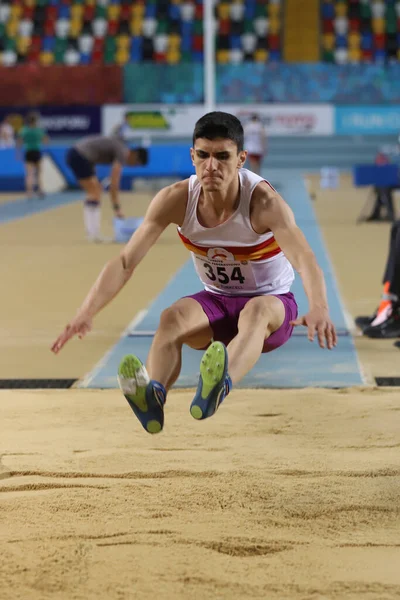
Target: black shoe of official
(386, 330)
(363, 322)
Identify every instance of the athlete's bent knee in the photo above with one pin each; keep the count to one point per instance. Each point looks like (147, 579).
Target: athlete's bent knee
(172, 319)
(265, 312)
(257, 310)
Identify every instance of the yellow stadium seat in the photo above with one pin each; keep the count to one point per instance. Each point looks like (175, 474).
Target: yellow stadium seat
(274, 25)
(30, 3)
(176, 1)
(328, 41)
(138, 10)
(76, 11)
(223, 56)
(378, 25)
(12, 28)
(223, 11)
(76, 27)
(135, 26)
(23, 44)
(173, 57)
(46, 58)
(274, 10)
(123, 42)
(341, 9)
(122, 57)
(354, 54)
(90, 2)
(174, 41)
(15, 11)
(113, 12)
(261, 55)
(354, 40)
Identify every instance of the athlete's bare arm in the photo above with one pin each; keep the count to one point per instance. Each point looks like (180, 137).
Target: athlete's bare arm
(270, 212)
(168, 206)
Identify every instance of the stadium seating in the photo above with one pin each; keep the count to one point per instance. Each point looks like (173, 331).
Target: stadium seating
(355, 31)
(75, 32)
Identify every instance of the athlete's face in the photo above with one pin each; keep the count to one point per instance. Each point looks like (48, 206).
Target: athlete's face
(216, 162)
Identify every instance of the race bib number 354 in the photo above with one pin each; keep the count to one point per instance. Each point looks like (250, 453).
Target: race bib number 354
(225, 275)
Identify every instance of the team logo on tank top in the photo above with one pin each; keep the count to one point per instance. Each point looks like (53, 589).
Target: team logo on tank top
(219, 254)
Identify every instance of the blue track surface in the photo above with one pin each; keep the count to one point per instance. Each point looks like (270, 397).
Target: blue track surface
(19, 209)
(299, 363)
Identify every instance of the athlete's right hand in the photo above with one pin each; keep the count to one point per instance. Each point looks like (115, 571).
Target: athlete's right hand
(80, 326)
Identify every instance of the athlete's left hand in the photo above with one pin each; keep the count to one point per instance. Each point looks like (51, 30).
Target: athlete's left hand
(318, 322)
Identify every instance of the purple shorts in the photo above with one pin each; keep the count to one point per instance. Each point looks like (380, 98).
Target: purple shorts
(223, 314)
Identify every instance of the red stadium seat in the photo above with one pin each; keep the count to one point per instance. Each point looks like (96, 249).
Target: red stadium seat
(328, 26)
(198, 12)
(125, 14)
(367, 55)
(51, 13)
(98, 44)
(379, 41)
(224, 27)
(112, 27)
(88, 13)
(197, 44)
(97, 56)
(160, 57)
(49, 28)
(354, 24)
(274, 42)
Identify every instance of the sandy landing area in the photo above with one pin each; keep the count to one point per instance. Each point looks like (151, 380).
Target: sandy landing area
(281, 495)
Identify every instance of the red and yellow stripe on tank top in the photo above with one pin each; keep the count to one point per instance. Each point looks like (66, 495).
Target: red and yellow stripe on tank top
(262, 251)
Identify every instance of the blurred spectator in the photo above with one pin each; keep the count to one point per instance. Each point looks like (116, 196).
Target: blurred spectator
(82, 159)
(385, 322)
(255, 142)
(7, 134)
(31, 137)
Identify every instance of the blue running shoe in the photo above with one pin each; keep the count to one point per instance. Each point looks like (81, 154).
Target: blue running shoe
(211, 389)
(145, 397)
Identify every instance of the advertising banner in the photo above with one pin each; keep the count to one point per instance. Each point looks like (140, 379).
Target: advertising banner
(368, 120)
(289, 119)
(68, 121)
(159, 120)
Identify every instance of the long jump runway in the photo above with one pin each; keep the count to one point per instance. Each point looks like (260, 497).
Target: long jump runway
(298, 364)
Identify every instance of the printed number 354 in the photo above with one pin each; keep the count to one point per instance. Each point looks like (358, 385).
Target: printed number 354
(221, 274)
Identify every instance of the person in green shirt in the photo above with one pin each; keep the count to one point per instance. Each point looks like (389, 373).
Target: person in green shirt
(31, 137)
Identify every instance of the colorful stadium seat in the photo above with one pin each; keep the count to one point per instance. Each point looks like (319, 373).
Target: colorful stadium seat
(369, 29)
(118, 31)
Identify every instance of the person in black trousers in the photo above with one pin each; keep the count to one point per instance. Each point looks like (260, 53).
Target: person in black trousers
(385, 322)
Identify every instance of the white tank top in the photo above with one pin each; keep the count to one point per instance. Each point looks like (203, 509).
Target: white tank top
(231, 258)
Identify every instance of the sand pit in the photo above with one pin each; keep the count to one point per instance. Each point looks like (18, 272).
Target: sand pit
(281, 495)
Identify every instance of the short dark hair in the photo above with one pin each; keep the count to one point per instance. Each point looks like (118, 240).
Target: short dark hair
(142, 154)
(220, 125)
(32, 118)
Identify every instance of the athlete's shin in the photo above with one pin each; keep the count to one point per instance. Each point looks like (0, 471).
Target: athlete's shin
(165, 359)
(244, 351)
(262, 316)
